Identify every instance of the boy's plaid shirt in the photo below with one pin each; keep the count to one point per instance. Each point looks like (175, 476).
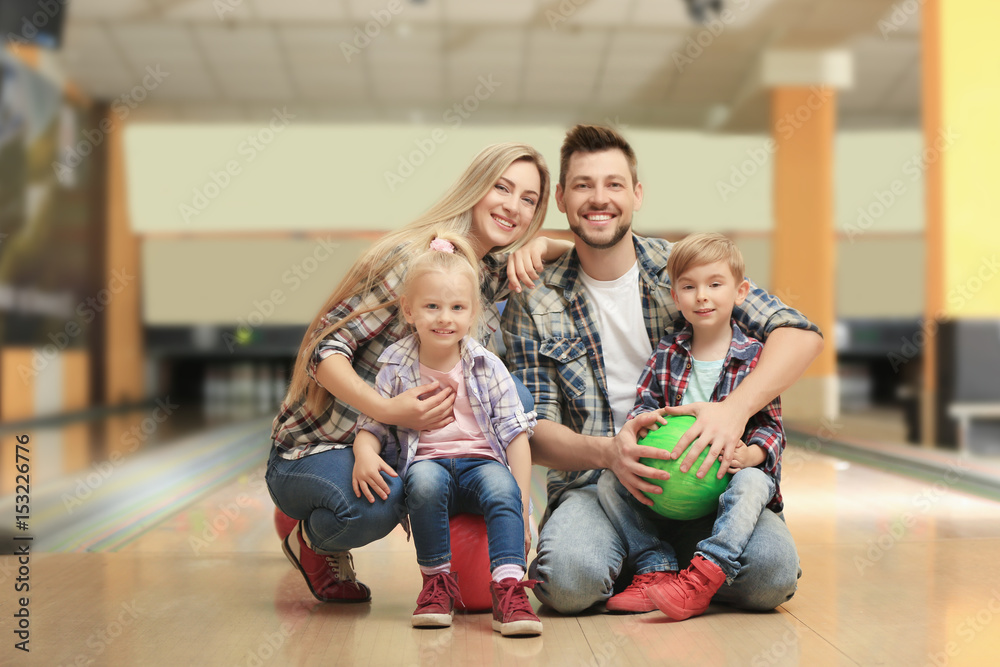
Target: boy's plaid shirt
(296, 431)
(554, 347)
(665, 379)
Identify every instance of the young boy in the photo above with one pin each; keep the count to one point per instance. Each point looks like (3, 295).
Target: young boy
(705, 361)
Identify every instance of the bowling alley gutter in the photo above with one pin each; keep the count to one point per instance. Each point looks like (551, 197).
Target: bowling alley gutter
(978, 477)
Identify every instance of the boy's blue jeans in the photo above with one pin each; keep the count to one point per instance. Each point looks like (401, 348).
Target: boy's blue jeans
(641, 529)
(438, 488)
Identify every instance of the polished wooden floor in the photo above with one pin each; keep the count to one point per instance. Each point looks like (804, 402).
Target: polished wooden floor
(896, 572)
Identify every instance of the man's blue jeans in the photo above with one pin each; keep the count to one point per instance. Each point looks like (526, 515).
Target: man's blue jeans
(438, 488)
(581, 555)
(645, 532)
(317, 490)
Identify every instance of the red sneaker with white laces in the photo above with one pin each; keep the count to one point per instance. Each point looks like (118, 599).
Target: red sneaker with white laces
(633, 600)
(436, 602)
(512, 613)
(330, 576)
(690, 592)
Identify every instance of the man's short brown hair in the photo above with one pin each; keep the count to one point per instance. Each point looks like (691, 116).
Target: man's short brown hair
(593, 139)
(700, 249)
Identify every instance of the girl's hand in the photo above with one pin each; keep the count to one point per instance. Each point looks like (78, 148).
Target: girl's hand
(525, 265)
(367, 474)
(411, 411)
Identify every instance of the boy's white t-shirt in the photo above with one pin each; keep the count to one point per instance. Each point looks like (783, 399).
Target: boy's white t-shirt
(625, 344)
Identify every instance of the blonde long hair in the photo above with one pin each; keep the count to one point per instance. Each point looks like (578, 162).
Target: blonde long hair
(452, 214)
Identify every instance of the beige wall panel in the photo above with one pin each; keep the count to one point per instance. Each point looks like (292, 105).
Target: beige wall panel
(223, 281)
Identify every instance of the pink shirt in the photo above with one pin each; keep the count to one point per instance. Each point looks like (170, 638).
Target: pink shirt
(462, 438)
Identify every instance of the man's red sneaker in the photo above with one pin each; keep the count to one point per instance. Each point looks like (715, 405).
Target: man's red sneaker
(690, 592)
(512, 613)
(633, 600)
(436, 602)
(330, 577)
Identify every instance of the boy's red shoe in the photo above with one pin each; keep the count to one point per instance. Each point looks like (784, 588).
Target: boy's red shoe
(512, 613)
(330, 577)
(436, 602)
(690, 592)
(633, 600)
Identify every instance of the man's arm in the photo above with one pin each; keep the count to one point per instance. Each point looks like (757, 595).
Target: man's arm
(785, 357)
(556, 446)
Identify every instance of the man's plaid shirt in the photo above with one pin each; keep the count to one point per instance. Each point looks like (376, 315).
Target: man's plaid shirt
(296, 431)
(664, 381)
(554, 347)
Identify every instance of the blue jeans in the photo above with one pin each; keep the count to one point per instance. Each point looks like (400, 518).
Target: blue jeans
(740, 507)
(577, 573)
(317, 490)
(527, 400)
(438, 488)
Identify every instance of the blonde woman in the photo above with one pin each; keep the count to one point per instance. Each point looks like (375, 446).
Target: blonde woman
(498, 205)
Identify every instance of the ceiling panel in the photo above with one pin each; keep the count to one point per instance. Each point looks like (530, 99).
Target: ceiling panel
(186, 83)
(660, 14)
(233, 47)
(879, 68)
(490, 13)
(582, 49)
(408, 86)
(299, 10)
(431, 54)
(89, 42)
(905, 94)
(105, 9)
(424, 11)
(223, 11)
(149, 44)
(600, 13)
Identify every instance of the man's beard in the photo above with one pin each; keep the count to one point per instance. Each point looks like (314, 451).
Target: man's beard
(620, 231)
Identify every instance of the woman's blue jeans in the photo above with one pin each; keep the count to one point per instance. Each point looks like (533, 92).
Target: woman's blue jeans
(317, 490)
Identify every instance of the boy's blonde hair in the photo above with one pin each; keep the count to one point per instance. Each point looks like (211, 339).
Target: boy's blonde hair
(460, 260)
(453, 212)
(700, 249)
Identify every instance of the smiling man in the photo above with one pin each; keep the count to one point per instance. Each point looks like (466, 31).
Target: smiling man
(579, 342)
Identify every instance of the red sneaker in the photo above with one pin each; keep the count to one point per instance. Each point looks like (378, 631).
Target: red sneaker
(436, 602)
(633, 600)
(330, 577)
(512, 613)
(690, 592)
(283, 523)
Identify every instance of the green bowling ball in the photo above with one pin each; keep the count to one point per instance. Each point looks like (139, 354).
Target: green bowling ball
(684, 496)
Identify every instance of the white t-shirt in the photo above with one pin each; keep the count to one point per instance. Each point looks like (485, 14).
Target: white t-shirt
(702, 380)
(617, 310)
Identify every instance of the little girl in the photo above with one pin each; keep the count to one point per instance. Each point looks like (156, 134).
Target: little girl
(480, 462)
